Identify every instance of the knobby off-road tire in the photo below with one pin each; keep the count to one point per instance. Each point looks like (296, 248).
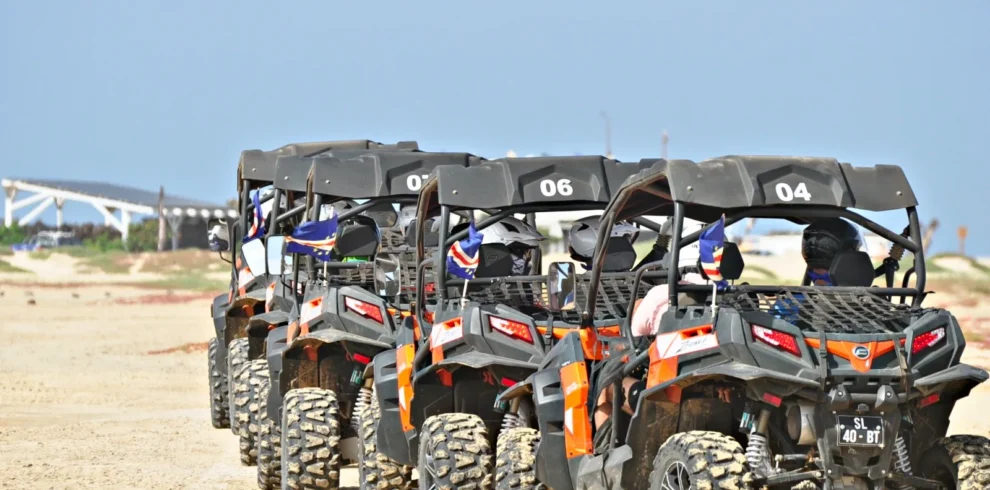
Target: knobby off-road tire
(310, 440)
(454, 453)
(218, 389)
(516, 459)
(961, 462)
(248, 406)
(269, 444)
(703, 460)
(237, 357)
(377, 471)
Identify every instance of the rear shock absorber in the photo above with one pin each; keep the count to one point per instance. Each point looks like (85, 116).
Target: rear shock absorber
(512, 419)
(363, 400)
(902, 462)
(756, 448)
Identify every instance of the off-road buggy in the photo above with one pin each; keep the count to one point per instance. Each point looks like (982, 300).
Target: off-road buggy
(249, 287)
(847, 386)
(317, 379)
(436, 392)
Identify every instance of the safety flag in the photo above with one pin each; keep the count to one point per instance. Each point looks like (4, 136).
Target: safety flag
(463, 257)
(711, 244)
(257, 229)
(315, 238)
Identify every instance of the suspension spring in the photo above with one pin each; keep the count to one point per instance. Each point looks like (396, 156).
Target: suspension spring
(363, 400)
(902, 463)
(511, 421)
(756, 451)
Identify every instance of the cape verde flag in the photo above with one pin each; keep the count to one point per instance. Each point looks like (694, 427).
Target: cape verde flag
(257, 229)
(463, 258)
(711, 243)
(315, 238)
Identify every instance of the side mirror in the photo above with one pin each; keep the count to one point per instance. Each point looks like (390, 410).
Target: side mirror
(562, 286)
(218, 235)
(852, 269)
(278, 261)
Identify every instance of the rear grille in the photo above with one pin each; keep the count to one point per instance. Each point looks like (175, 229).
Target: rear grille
(851, 311)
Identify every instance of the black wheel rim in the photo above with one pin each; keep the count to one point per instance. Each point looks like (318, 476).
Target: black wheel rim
(676, 477)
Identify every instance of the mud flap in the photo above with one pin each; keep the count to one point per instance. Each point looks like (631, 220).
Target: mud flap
(390, 437)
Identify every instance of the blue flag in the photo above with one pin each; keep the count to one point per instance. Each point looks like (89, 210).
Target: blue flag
(257, 229)
(463, 257)
(315, 238)
(711, 244)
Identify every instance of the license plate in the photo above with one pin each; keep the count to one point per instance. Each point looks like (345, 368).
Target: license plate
(858, 430)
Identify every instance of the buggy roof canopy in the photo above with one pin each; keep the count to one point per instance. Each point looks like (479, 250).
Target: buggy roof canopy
(509, 183)
(292, 172)
(720, 185)
(385, 174)
(257, 167)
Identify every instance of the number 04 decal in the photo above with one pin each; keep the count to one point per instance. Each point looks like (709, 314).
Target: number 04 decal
(786, 194)
(550, 188)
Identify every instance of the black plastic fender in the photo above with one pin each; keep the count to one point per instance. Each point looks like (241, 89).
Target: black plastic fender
(275, 346)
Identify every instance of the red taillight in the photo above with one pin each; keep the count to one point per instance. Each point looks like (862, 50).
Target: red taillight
(780, 340)
(772, 399)
(928, 339)
(516, 330)
(508, 383)
(363, 359)
(367, 310)
(929, 400)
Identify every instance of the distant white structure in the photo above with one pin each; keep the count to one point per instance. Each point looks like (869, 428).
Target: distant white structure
(108, 199)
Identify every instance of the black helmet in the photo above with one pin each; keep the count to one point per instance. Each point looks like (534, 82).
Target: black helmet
(825, 238)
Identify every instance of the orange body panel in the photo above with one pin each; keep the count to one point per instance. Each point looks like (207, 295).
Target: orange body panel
(845, 350)
(592, 347)
(667, 348)
(404, 366)
(577, 424)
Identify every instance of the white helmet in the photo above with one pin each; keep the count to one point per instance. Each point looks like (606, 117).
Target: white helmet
(689, 255)
(513, 233)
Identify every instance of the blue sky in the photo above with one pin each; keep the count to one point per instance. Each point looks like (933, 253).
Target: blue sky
(149, 93)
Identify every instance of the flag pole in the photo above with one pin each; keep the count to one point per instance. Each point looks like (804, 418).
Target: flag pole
(464, 291)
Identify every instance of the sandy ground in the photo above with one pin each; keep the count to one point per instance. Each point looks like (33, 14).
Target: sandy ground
(105, 386)
(84, 404)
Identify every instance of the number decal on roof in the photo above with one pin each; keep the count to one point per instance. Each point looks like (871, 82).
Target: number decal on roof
(786, 194)
(415, 182)
(550, 188)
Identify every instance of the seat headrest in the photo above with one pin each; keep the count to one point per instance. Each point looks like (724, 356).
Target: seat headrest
(357, 237)
(852, 268)
(495, 260)
(620, 255)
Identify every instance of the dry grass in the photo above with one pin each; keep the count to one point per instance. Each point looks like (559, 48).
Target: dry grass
(182, 260)
(6, 267)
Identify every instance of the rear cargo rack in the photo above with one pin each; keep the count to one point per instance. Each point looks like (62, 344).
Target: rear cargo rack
(845, 310)
(528, 294)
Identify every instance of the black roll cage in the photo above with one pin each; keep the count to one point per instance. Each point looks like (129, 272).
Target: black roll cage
(445, 241)
(911, 243)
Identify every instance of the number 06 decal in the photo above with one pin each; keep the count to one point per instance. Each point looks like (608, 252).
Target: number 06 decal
(786, 194)
(550, 188)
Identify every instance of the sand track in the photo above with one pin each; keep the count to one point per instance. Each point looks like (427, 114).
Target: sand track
(84, 403)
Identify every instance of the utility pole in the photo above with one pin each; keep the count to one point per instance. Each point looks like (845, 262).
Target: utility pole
(608, 135)
(663, 146)
(161, 219)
